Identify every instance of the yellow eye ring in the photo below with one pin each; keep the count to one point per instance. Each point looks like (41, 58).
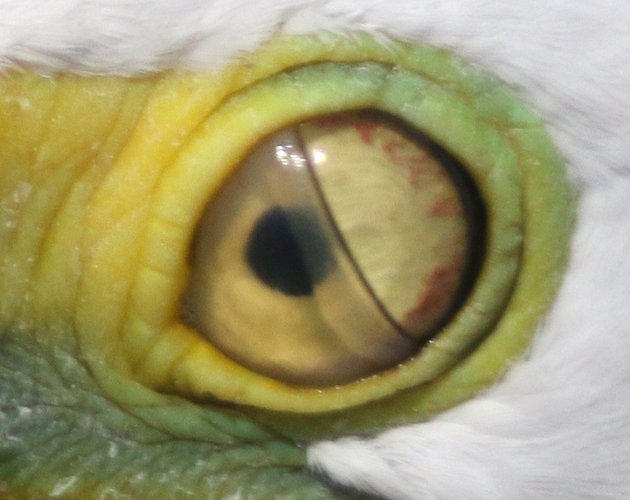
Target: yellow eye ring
(473, 116)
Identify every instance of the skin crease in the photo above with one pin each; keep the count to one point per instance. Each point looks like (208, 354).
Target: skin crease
(558, 425)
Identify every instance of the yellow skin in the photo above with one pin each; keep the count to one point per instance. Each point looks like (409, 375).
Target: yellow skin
(102, 181)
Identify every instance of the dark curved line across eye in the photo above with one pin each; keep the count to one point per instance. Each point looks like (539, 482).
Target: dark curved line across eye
(344, 244)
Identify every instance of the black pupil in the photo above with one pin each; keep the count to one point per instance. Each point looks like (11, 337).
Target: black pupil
(288, 251)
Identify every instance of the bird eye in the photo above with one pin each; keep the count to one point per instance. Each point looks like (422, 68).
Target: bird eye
(336, 250)
(333, 223)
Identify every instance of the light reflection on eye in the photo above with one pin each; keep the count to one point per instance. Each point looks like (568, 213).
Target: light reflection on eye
(318, 157)
(338, 248)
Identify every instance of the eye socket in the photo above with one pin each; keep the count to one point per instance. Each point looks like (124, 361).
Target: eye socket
(496, 138)
(337, 249)
(113, 261)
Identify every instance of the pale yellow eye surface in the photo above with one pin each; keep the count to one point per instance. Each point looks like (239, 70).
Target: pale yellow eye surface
(335, 251)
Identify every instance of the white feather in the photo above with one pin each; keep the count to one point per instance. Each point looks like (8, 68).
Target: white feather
(558, 426)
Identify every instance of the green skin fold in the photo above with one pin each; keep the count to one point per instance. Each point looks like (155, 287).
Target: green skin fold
(71, 429)
(62, 437)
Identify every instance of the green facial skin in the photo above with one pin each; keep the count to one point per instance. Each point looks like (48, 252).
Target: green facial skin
(99, 403)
